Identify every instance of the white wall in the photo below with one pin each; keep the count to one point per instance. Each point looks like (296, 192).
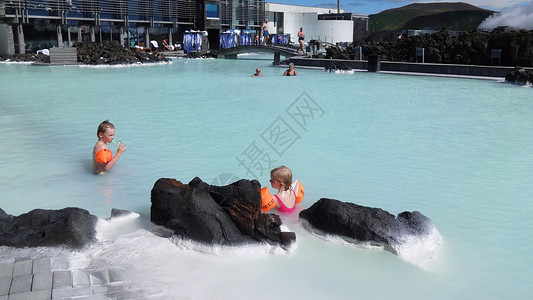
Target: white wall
(296, 16)
(297, 8)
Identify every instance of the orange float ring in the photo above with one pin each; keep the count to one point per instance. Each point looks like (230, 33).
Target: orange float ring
(104, 155)
(267, 201)
(298, 189)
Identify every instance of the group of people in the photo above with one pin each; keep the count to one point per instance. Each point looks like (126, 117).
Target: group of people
(266, 36)
(289, 72)
(280, 178)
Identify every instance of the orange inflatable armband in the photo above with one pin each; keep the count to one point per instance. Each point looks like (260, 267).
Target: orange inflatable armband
(104, 155)
(267, 201)
(298, 189)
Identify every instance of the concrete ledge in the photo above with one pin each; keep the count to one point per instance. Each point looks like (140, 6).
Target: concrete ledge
(427, 68)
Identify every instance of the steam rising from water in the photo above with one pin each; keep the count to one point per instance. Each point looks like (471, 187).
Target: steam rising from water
(518, 16)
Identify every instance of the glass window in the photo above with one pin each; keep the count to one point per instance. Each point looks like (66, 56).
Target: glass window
(212, 10)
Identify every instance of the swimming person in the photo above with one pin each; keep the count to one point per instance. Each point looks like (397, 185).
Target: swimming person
(103, 159)
(257, 73)
(290, 71)
(280, 179)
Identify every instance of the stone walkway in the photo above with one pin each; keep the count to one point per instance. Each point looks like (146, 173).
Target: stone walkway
(36, 279)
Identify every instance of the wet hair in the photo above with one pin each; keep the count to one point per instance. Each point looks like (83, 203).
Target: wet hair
(284, 175)
(103, 127)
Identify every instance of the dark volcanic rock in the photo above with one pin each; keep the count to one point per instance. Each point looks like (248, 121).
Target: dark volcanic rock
(71, 227)
(337, 66)
(365, 224)
(24, 57)
(519, 76)
(216, 215)
(467, 48)
(113, 53)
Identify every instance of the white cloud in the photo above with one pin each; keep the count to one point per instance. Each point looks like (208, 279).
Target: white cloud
(519, 16)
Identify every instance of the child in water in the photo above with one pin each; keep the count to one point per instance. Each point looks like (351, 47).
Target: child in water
(280, 179)
(105, 134)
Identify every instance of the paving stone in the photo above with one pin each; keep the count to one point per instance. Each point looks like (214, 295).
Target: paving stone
(127, 294)
(22, 267)
(21, 284)
(3, 297)
(37, 295)
(61, 263)
(71, 292)
(6, 269)
(42, 281)
(41, 265)
(117, 274)
(99, 277)
(93, 297)
(5, 284)
(80, 278)
(109, 288)
(61, 279)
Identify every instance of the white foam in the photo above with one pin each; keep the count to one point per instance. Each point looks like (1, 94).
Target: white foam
(251, 250)
(115, 226)
(137, 64)
(419, 250)
(344, 71)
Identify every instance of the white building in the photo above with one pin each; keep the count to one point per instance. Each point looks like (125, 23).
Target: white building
(287, 19)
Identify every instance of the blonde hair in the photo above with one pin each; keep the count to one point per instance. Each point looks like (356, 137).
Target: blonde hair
(103, 127)
(283, 175)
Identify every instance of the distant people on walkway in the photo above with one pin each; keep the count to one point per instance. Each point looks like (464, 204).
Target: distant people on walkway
(290, 71)
(264, 32)
(257, 73)
(301, 37)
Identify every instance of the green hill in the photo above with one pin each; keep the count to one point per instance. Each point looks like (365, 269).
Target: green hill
(453, 16)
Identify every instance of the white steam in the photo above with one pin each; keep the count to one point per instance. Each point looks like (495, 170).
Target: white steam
(518, 17)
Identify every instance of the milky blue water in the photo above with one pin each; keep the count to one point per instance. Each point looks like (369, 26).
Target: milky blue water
(457, 150)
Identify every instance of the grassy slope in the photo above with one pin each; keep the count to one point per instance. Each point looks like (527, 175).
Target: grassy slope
(428, 16)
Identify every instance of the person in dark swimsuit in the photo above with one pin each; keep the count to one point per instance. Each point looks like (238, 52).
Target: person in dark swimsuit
(301, 37)
(290, 71)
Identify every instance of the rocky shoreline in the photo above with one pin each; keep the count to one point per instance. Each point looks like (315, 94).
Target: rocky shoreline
(105, 53)
(441, 47)
(218, 216)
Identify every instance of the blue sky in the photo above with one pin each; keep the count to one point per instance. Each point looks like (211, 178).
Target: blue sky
(376, 6)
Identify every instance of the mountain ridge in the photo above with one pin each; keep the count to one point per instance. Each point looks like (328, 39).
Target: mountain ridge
(451, 15)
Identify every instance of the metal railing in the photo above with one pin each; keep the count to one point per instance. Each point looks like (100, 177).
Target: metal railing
(248, 12)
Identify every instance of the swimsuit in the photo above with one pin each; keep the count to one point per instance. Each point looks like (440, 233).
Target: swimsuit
(289, 72)
(284, 208)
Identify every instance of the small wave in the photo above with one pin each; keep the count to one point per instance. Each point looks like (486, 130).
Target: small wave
(9, 62)
(138, 64)
(419, 250)
(115, 226)
(248, 250)
(344, 71)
